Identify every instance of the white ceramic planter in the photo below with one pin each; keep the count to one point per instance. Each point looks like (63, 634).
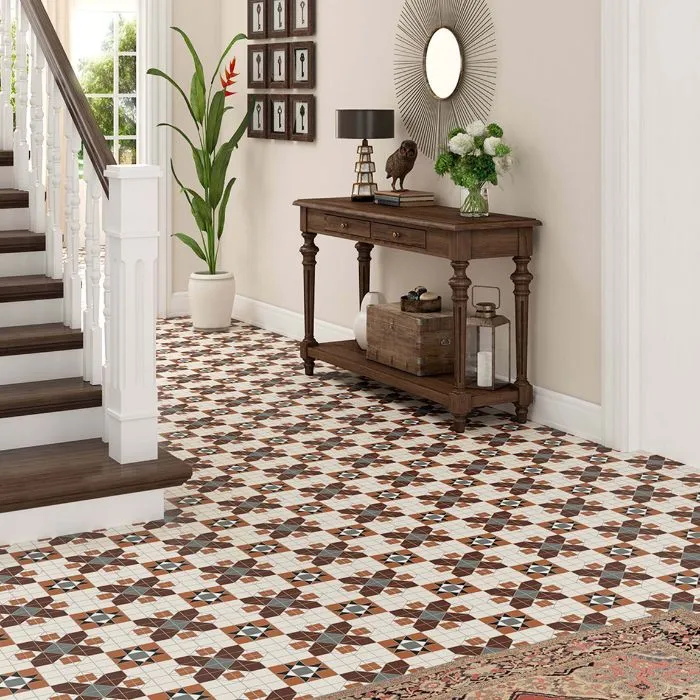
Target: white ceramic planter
(211, 300)
(360, 327)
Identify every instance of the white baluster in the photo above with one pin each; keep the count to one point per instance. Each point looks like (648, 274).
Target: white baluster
(92, 330)
(131, 224)
(37, 191)
(6, 112)
(54, 233)
(107, 313)
(72, 288)
(20, 141)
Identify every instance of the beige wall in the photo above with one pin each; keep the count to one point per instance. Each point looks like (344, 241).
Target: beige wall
(201, 21)
(548, 101)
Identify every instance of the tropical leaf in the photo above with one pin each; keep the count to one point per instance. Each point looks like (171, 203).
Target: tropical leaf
(224, 205)
(218, 174)
(201, 212)
(179, 182)
(160, 74)
(214, 120)
(179, 131)
(198, 67)
(198, 99)
(191, 243)
(200, 160)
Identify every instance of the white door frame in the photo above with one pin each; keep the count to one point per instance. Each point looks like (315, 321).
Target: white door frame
(154, 107)
(621, 222)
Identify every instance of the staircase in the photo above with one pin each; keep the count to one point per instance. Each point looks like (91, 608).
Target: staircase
(73, 457)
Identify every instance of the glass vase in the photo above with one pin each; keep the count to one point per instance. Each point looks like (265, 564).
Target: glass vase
(476, 201)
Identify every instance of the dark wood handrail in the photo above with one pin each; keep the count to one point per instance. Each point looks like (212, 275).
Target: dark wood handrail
(96, 146)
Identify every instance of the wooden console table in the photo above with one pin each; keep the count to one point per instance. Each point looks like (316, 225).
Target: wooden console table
(436, 231)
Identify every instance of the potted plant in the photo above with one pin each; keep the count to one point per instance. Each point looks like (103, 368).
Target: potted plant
(474, 158)
(212, 291)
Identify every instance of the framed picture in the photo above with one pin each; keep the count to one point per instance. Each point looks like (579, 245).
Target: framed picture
(258, 74)
(278, 18)
(278, 60)
(257, 19)
(303, 18)
(303, 65)
(279, 122)
(303, 112)
(257, 128)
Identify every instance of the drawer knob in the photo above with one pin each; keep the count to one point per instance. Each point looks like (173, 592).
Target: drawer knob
(396, 235)
(344, 226)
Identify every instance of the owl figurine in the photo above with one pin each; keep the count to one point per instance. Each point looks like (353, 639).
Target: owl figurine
(401, 163)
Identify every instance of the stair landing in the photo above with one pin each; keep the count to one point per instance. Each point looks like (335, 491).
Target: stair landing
(35, 477)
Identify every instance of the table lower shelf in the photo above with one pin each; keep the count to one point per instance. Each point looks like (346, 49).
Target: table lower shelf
(349, 356)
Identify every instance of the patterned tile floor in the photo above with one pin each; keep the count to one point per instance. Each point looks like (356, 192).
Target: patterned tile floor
(337, 532)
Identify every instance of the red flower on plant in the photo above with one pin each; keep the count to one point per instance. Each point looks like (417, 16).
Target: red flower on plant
(228, 78)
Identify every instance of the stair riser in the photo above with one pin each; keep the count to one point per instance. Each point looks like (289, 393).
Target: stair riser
(19, 264)
(41, 367)
(14, 220)
(51, 428)
(83, 516)
(7, 176)
(31, 313)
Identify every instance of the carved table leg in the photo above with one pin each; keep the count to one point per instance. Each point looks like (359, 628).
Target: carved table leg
(309, 251)
(364, 258)
(460, 401)
(521, 281)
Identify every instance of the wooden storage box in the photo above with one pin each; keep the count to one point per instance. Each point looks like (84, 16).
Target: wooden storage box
(420, 344)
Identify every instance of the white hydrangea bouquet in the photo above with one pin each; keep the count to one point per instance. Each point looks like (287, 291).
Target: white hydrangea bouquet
(474, 158)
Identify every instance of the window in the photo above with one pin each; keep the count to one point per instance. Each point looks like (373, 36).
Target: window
(104, 51)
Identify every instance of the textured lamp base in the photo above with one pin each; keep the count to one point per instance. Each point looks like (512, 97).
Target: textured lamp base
(364, 188)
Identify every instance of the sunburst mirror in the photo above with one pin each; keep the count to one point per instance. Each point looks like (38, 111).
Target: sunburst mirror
(445, 67)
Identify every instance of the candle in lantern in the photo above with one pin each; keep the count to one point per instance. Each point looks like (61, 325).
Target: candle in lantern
(485, 378)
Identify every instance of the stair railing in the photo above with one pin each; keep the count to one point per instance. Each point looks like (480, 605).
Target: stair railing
(46, 120)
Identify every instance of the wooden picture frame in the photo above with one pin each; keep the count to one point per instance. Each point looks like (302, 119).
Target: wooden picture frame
(258, 68)
(258, 125)
(302, 64)
(303, 118)
(257, 19)
(279, 123)
(303, 18)
(278, 66)
(278, 18)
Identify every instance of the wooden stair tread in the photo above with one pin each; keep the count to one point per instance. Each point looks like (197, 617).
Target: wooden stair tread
(7, 158)
(29, 288)
(13, 199)
(48, 397)
(51, 337)
(43, 476)
(22, 242)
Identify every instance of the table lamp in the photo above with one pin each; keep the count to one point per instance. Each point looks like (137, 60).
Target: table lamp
(365, 124)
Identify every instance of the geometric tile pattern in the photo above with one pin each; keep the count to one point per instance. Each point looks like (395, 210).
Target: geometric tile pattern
(337, 532)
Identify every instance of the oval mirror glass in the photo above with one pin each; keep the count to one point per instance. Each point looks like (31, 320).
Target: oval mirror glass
(443, 63)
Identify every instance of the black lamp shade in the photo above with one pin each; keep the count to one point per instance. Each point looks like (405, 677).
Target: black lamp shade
(365, 124)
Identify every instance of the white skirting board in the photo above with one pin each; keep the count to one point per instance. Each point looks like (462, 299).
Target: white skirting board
(83, 516)
(51, 428)
(550, 408)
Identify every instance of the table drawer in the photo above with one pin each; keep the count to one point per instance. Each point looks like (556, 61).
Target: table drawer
(400, 235)
(327, 223)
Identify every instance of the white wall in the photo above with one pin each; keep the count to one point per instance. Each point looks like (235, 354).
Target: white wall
(548, 100)
(670, 251)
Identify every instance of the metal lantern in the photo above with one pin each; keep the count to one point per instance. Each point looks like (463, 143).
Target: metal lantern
(492, 333)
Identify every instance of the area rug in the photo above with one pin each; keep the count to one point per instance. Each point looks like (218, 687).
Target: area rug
(652, 659)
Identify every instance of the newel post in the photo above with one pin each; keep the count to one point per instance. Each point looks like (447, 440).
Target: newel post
(130, 393)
